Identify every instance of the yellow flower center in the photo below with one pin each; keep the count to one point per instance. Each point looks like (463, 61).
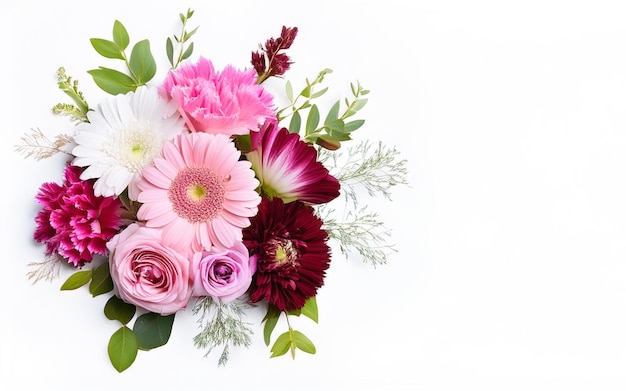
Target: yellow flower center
(196, 192)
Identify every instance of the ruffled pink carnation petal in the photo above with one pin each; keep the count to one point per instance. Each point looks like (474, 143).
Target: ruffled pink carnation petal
(288, 168)
(199, 193)
(228, 102)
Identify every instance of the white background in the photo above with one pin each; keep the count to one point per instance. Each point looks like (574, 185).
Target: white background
(511, 265)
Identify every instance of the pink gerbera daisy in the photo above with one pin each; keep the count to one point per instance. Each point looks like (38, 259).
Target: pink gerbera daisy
(73, 222)
(287, 167)
(227, 102)
(199, 192)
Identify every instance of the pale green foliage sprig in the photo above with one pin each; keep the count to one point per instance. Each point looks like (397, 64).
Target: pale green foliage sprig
(181, 39)
(224, 327)
(376, 168)
(335, 127)
(359, 231)
(77, 111)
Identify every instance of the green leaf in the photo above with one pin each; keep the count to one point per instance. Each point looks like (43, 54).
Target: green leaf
(319, 93)
(312, 120)
(282, 345)
(335, 126)
(270, 319)
(112, 81)
(243, 143)
(188, 52)
(106, 48)
(310, 309)
(333, 113)
(169, 50)
(302, 342)
(295, 123)
(123, 348)
(339, 136)
(269, 326)
(101, 281)
(153, 330)
(289, 91)
(141, 63)
(353, 125)
(306, 92)
(359, 103)
(120, 35)
(190, 34)
(77, 280)
(118, 309)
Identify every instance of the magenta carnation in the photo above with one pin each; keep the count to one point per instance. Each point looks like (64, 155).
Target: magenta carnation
(287, 167)
(73, 222)
(228, 102)
(292, 254)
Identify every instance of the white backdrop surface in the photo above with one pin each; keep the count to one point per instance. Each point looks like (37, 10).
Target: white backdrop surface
(510, 272)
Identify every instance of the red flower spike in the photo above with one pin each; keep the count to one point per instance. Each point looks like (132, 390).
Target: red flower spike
(278, 63)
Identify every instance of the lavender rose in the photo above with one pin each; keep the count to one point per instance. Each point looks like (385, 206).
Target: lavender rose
(146, 273)
(223, 274)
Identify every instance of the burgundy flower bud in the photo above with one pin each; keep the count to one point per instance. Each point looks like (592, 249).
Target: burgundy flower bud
(288, 35)
(258, 62)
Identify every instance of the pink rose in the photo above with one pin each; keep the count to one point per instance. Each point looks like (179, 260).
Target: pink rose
(146, 273)
(229, 102)
(224, 275)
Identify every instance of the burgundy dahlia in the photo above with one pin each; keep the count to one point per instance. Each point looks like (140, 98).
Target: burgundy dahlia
(293, 256)
(73, 222)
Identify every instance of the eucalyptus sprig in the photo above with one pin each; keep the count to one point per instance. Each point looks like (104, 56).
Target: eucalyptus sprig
(335, 127)
(291, 339)
(308, 93)
(184, 36)
(140, 65)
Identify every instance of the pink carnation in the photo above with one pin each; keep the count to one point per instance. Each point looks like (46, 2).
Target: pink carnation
(228, 102)
(74, 223)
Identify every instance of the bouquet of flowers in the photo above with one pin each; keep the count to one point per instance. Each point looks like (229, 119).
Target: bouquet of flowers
(197, 192)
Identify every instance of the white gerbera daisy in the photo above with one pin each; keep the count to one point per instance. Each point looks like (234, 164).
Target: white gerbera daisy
(124, 134)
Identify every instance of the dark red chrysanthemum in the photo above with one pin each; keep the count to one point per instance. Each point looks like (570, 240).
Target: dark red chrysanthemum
(73, 222)
(293, 256)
